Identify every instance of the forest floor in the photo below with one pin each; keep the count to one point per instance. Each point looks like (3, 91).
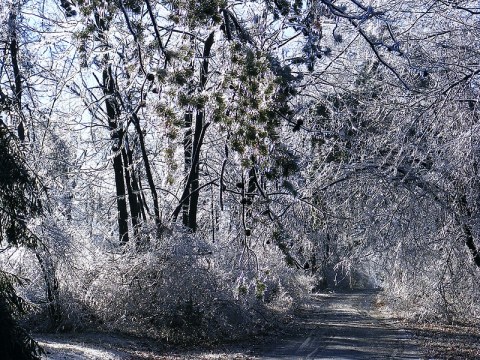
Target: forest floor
(346, 325)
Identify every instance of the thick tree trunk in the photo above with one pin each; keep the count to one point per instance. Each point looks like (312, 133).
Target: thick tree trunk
(470, 242)
(135, 185)
(132, 196)
(17, 86)
(186, 193)
(467, 230)
(187, 149)
(51, 289)
(197, 137)
(117, 137)
(121, 198)
(251, 189)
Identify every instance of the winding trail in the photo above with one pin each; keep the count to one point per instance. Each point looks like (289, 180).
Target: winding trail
(331, 326)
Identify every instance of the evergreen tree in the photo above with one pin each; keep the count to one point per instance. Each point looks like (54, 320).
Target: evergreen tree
(18, 201)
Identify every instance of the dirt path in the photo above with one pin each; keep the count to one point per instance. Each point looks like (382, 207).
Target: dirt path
(341, 326)
(331, 326)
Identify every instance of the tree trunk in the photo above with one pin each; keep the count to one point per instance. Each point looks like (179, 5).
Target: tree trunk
(191, 193)
(467, 229)
(132, 196)
(186, 193)
(187, 147)
(51, 289)
(194, 195)
(148, 172)
(117, 137)
(135, 184)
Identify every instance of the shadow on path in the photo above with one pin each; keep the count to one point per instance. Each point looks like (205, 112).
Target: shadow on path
(340, 326)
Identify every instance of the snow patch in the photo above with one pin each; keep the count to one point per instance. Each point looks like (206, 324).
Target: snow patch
(65, 351)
